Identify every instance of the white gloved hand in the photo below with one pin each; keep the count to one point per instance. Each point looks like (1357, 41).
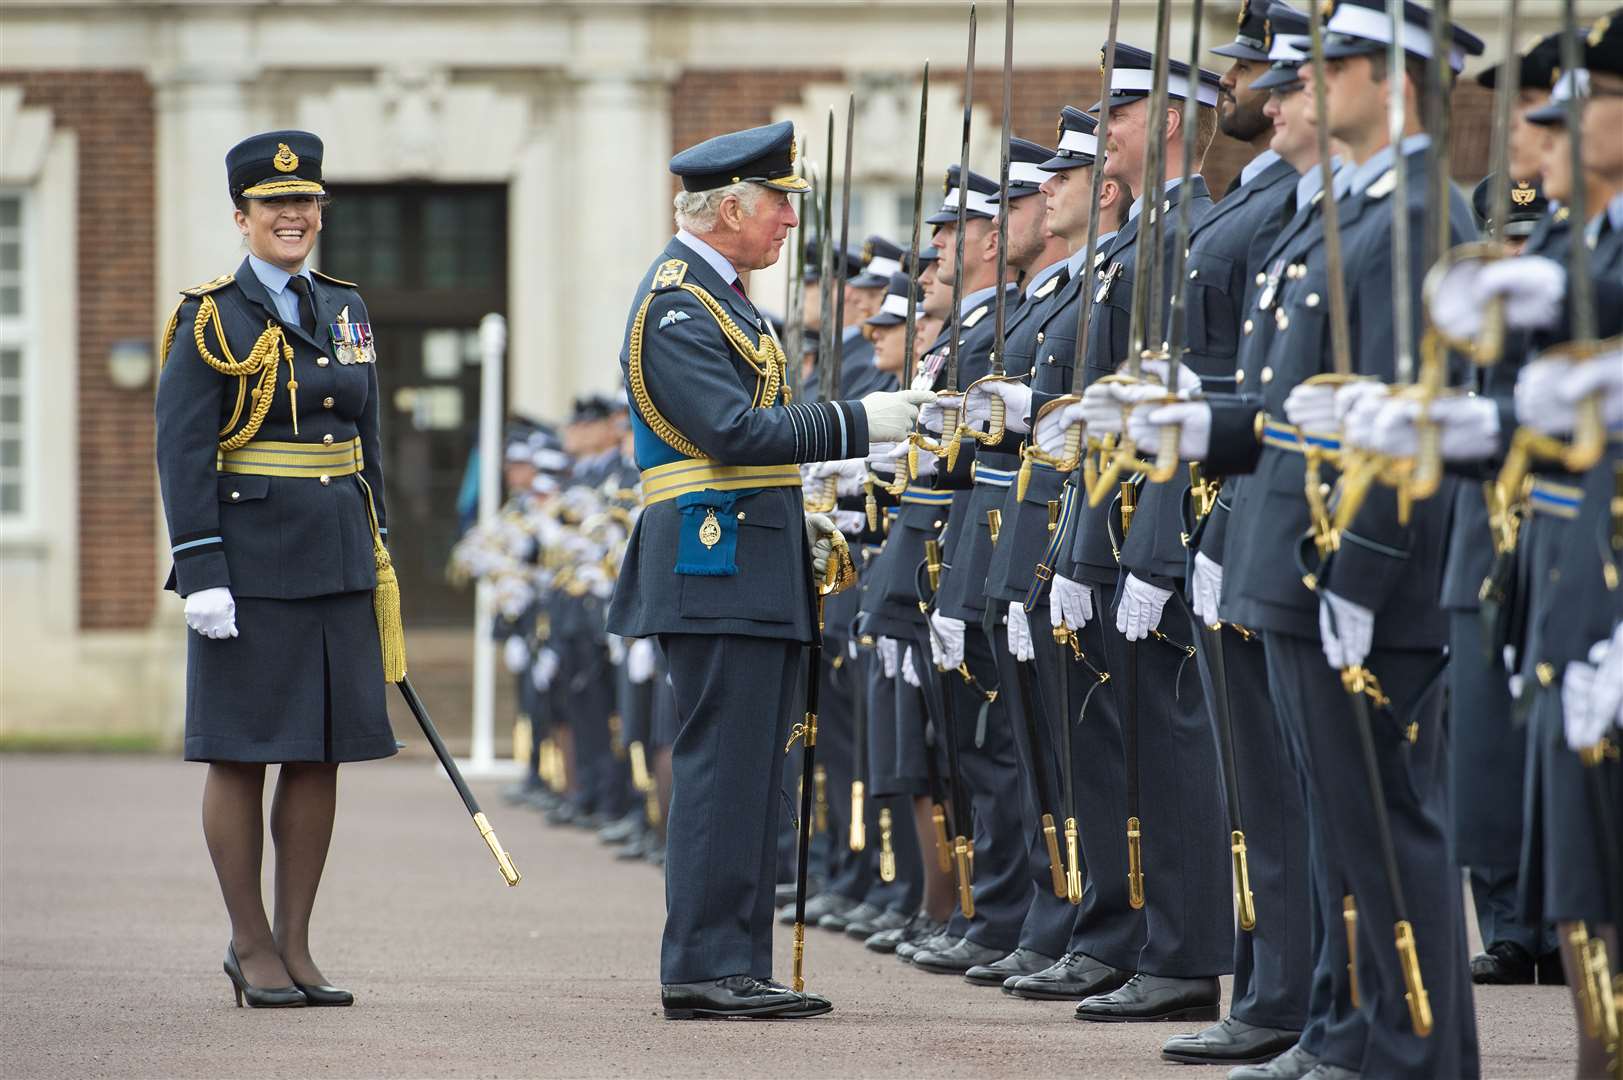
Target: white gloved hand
(544, 670)
(1020, 646)
(1311, 406)
(820, 531)
(1592, 693)
(641, 660)
(848, 474)
(1540, 403)
(1104, 404)
(1070, 603)
(1601, 375)
(1016, 398)
(946, 641)
(1140, 608)
(1357, 421)
(1192, 418)
(930, 415)
(891, 413)
(1186, 385)
(887, 657)
(1052, 428)
(1206, 586)
(910, 673)
(974, 409)
(1346, 630)
(1360, 393)
(850, 522)
(883, 457)
(515, 654)
(1532, 287)
(212, 613)
(1468, 428)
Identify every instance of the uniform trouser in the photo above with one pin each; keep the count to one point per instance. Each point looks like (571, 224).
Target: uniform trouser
(1106, 927)
(986, 756)
(734, 697)
(849, 872)
(1416, 796)
(1188, 896)
(530, 705)
(1273, 962)
(1048, 922)
(886, 792)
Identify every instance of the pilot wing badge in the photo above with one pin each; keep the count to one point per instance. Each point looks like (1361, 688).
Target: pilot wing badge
(673, 317)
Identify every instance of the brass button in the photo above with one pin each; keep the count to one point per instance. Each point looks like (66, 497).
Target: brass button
(1039, 337)
(325, 480)
(1239, 376)
(1193, 274)
(1545, 673)
(1312, 299)
(1267, 375)
(741, 515)
(326, 440)
(1262, 278)
(1248, 326)
(321, 361)
(235, 495)
(1281, 320)
(326, 403)
(935, 524)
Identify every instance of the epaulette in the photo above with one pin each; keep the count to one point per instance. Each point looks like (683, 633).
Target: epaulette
(976, 316)
(1046, 287)
(669, 275)
(329, 279)
(1383, 186)
(209, 286)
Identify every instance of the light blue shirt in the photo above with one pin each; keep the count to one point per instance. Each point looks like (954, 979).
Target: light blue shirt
(850, 334)
(976, 298)
(1613, 214)
(713, 258)
(1172, 182)
(1256, 165)
(275, 280)
(1312, 180)
(1364, 175)
(1041, 277)
(1079, 258)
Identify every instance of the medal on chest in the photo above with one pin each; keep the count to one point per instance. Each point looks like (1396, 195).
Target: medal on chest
(352, 341)
(710, 529)
(1270, 285)
(924, 379)
(1107, 281)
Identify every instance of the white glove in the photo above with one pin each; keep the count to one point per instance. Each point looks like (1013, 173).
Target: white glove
(212, 613)
(1020, 633)
(1532, 287)
(850, 522)
(883, 457)
(1346, 630)
(1601, 375)
(1140, 608)
(1104, 404)
(1206, 586)
(887, 656)
(930, 418)
(515, 654)
(1312, 406)
(546, 667)
(1468, 428)
(891, 413)
(910, 674)
(973, 409)
(1186, 385)
(820, 530)
(946, 641)
(1016, 398)
(641, 660)
(1357, 421)
(1052, 428)
(1070, 603)
(847, 474)
(1592, 693)
(1193, 418)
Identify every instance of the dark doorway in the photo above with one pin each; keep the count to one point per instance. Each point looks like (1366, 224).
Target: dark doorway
(431, 261)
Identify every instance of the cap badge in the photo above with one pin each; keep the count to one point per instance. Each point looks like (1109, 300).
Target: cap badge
(285, 160)
(793, 146)
(1523, 194)
(1268, 33)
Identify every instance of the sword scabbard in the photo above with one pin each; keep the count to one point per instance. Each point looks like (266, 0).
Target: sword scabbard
(1135, 864)
(1056, 868)
(1414, 987)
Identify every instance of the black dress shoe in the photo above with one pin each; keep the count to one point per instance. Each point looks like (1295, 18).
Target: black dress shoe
(1231, 1042)
(325, 995)
(938, 941)
(1550, 971)
(1326, 1071)
(1155, 997)
(816, 907)
(839, 920)
(956, 960)
(636, 848)
(1293, 1064)
(885, 920)
(625, 829)
(737, 997)
(655, 852)
(1014, 965)
(1072, 977)
(1504, 964)
(259, 997)
(918, 927)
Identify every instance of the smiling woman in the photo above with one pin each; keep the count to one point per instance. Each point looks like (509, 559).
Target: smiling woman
(270, 462)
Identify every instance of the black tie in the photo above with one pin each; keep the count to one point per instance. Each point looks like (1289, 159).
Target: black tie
(307, 305)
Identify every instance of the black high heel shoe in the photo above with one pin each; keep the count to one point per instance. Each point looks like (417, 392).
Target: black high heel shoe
(260, 997)
(325, 995)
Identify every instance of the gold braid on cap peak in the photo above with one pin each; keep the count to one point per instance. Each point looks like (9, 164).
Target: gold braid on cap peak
(764, 357)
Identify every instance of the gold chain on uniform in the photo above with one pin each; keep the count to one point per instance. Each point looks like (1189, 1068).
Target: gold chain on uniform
(264, 361)
(764, 357)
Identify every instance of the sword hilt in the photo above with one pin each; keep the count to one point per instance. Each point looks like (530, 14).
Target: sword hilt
(1073, 869)
(1244, 903)
(1056, 868)
(503, 860)
(1135, 865)
(1414, 987)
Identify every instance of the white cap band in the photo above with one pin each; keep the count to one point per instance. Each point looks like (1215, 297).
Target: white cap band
(1080, 142)
(894, 304)
(1127, 79)
(977, 201)
(882, 266)
(1372, 25)
(1026, 172)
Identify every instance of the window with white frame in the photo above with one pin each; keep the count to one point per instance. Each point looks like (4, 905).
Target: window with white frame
(15, 336)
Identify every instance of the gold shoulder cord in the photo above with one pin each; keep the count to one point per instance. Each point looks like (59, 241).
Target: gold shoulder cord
(264, 360)
(764, 357)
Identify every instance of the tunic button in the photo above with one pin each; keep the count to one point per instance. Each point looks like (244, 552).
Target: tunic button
(235, 495)
(321, 361)
(1193, 274)
(1262, 279)
(1281, 320)
(1239, 376)
(1312, 299)
(325, 480)
(326, 403)
(741, 515)
(935, 524)
(326, 440)
(1267, 374)
(1248, 326)
(1039, 337)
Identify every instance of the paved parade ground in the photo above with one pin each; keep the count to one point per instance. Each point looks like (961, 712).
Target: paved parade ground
(112, 933)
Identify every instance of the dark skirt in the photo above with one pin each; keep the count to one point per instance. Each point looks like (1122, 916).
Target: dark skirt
(302, 681)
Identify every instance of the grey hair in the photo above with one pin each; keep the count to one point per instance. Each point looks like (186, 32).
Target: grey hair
(696, 210)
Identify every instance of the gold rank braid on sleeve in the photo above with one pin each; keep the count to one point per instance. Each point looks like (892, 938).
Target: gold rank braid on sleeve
(268, 352)
(764, 356)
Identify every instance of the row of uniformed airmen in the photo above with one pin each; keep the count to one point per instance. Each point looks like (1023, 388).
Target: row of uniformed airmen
(1018, 665)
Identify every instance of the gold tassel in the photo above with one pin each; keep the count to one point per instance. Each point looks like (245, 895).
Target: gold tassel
(386, 604)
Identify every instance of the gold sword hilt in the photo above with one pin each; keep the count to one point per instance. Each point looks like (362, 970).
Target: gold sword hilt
(799, 980)
(503, 860)
(859, 827)
(1414, 987)
(887, 855)
(943, 846)
(1349, 922)
(1244, 903)
(994, 523)
(966, 877)
(1135, 864)
(1073, 868)
(1056, 868)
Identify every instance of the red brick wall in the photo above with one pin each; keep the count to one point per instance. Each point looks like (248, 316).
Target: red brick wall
(111, 112)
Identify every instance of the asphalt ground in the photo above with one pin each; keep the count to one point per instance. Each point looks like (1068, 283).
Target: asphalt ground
(112, 933)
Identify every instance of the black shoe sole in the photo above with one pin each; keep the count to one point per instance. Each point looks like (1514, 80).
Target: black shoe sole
(1051, 995)
(986, 980)
(1191, 1012)
(771, 1013)
(1257, 1058)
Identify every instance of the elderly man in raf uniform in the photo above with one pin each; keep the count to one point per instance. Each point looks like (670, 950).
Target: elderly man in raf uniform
(718, 566)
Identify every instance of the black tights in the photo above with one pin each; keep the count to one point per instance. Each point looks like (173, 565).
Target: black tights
(301, 829)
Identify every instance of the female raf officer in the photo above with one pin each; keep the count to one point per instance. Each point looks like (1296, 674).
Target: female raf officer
(271, 470)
